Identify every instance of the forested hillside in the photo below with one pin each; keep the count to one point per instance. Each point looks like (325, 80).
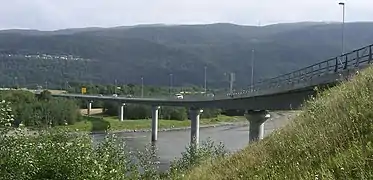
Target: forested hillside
(127, 53)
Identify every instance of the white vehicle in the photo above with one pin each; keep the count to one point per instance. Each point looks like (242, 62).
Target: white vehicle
(210, 95)
(115, 95)
(179, 96)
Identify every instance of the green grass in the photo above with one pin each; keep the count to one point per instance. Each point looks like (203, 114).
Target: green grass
(97, 123)
(330, 139)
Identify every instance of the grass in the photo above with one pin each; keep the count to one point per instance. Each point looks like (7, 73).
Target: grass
(97, 123)
(330, 139)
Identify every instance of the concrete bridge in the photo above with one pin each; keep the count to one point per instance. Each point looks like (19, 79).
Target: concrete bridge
(284, 92)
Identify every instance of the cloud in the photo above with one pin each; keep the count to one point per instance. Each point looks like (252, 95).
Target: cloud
(56, 14)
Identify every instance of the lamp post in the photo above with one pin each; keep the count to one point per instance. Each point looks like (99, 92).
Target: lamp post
(343, 25)
(205, 79)
(171, 84)
(252, 69)
(116, 86)
(142, 86)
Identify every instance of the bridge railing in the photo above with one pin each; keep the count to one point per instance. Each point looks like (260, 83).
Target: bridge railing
(351, 60)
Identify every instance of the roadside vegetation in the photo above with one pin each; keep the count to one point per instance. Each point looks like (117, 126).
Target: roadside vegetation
(57, 154)
(100, 124)
(42, 110)
(330, 139)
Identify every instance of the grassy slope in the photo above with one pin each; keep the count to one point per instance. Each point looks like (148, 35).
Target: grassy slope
(100, 124)
(330, 139)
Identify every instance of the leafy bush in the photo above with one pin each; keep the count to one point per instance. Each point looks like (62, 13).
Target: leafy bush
(210, 113)
(135, 111)
(41, 111)
(173, 113)
(59, 155)
(196, 155)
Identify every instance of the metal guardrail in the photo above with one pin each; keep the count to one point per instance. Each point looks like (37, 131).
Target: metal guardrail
(351, 60)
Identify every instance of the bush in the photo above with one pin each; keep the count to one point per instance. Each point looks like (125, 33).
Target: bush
(59, 155)
(41, 111)
(110, 108)
(173, 113)
(135, 111)
(196, 155)
(210, 113)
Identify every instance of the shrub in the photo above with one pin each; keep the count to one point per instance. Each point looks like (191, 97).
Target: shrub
(196, 155)
(173, 113)
(59, 155)
(210, 113)
(41, 111)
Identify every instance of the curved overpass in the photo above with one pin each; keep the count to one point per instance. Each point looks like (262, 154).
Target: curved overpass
(285, 97)
(284, 92)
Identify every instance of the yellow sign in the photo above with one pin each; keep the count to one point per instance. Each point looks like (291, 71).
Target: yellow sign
(84, 90)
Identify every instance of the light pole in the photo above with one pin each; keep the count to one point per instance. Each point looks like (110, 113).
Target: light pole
(343, 25)
(205, 80)
(252, 69)
(171, 84)
(115, 85)
(142, 86)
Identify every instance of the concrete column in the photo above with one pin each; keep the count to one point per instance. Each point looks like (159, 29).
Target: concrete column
(256, 123)
(155, 110)
(194, 118)
(89, 108)
(121, 111)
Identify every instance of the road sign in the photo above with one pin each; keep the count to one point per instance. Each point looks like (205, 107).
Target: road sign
(84, 90)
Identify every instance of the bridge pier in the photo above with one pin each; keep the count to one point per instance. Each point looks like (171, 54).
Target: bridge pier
(155, 113)
(194, 114)
(256, 120)
(121, 111)
(89, 108)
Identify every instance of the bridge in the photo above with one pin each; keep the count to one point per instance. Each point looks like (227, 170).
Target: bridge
(284, 92)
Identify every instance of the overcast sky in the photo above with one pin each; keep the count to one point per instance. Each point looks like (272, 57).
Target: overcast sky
(58, 14)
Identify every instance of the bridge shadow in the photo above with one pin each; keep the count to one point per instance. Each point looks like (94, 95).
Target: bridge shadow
(98, 124)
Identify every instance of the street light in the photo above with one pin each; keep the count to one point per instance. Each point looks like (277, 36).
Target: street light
(343, 25)
(142, 86)
(171, 84)
(116, 86)
(252, 69)
(205, 79)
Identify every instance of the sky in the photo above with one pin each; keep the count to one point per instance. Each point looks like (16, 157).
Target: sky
(61, 14)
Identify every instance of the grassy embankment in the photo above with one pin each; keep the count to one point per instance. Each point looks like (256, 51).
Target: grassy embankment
(99, 123)
(330, 139)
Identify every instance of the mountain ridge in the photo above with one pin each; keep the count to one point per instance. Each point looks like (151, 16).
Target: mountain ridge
(155, 51)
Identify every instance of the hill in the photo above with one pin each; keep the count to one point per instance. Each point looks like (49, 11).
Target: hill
(155, 51)
(330, 139)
